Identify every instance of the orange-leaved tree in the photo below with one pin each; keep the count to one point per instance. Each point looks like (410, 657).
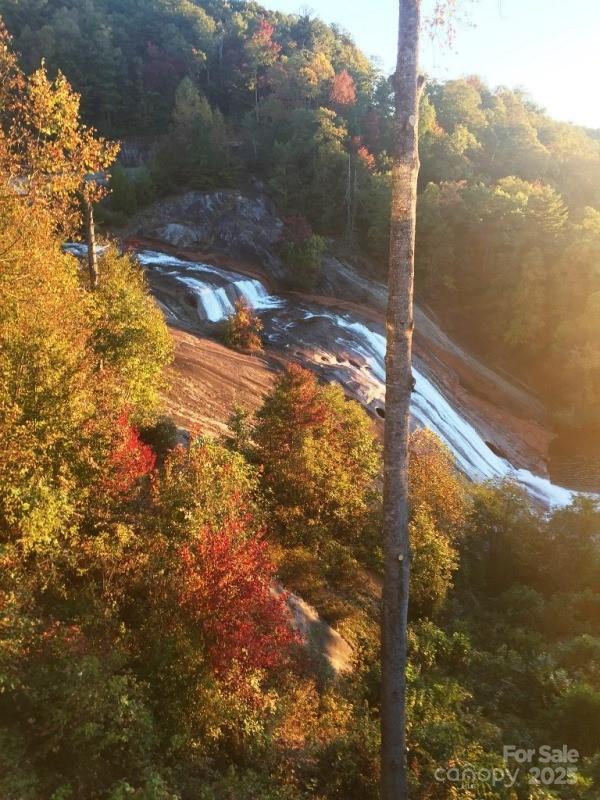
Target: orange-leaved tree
(46, 153)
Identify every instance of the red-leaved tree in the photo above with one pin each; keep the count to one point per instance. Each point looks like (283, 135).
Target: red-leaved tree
(366, 159)
(343, 89)
(130, 459)
(227, 586)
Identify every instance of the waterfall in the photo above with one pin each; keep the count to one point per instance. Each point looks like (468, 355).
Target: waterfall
(216, 290)
(430, 409)
(214, 287)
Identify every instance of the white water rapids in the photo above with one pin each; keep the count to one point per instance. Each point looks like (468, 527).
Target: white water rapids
(215, 291)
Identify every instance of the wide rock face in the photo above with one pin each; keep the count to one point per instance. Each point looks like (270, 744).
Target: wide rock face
(241, 225)
(341, 280)
(240, 231)
(245, 226)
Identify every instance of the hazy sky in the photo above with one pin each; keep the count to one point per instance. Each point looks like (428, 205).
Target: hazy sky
(551, 48)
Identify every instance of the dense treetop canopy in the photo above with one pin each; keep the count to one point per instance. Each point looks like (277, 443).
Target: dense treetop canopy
(214, 92)
(145, 646)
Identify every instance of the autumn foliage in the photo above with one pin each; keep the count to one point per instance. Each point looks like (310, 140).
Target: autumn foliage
(243, 328)
(319, 457)
(302, 250)
(343, 89)
(227, 587)
(435, 483)
(261, 46)
(46, 151)
(130, 460)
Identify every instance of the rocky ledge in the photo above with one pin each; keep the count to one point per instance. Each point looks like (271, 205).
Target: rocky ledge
(241, 230)
(240, 225)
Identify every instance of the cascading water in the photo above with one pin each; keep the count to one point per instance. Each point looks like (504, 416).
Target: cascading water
(215, 291)
(430, 409)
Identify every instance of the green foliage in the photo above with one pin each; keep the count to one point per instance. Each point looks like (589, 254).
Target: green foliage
(509, 267)
(205, 484)
(49, 389)
(319, 460)
(122, 191)
(194, 153)
(70, 703)
(433, 564)
(438, 513)
(304, 260)
(577, 717)
(162, 437)
(130, 336)
(108, 680)
(507, 235)
(130, 190)
(506, 239)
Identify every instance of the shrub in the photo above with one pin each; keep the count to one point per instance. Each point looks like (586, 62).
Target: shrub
(145, 188)
(243, 329)
(434, 561)
(435, 484)
(129, 191)
(129, 461)
(227, 588)
(162, 437)
(577, 717)
(204, 484)
(130, 336)
(122, 191)
(93, 718)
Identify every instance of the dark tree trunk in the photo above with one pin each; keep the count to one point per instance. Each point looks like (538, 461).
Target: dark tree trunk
(405, 169)
(350, 194)
(90, 238)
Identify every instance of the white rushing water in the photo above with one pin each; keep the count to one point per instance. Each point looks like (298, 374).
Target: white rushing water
(80, 250)
(430, 409)
(216, 291)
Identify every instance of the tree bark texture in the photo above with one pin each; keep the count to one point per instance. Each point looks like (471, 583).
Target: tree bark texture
(408, 87)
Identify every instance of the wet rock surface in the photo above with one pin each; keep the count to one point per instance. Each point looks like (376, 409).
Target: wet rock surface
(340, 344)
(241, 225)
(338, 330)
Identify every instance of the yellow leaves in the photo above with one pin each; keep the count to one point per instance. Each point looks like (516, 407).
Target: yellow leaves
(435, 485)
(69, 362)
(51, 107)
(317, 71)
(45, 151)
(47, 510)
(434, 561)
(329, 131)
(130, 336)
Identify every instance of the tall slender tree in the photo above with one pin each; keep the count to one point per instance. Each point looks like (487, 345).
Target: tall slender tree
(408, 85)
(46, 153)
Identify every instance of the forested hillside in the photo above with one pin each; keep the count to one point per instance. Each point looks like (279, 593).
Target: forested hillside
(509, 227)
(146, 645)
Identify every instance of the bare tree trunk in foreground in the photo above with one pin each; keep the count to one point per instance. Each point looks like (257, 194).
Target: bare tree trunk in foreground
(408, 87)
(90, 238)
